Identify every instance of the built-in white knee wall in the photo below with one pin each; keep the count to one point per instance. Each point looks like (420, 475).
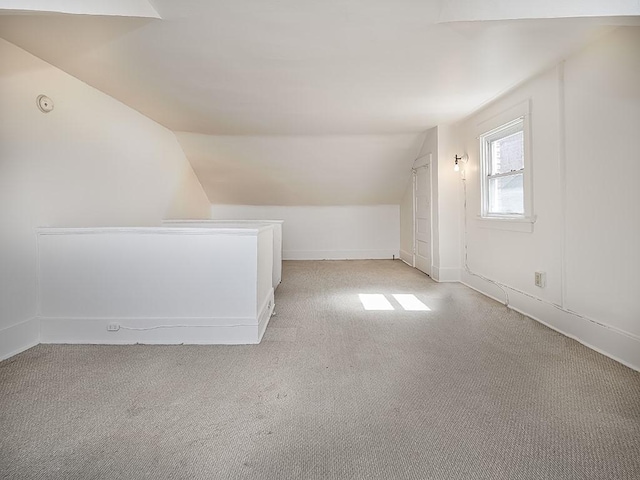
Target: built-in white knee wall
(155, 285)
(277, 236)
(92, 161)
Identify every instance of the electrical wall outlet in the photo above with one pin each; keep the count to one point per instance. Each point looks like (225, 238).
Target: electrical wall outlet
(113, 327)
(540, 279)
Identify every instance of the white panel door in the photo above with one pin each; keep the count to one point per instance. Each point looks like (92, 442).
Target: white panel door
(422, 212)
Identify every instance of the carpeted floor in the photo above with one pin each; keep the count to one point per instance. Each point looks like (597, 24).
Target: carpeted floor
(467, 390)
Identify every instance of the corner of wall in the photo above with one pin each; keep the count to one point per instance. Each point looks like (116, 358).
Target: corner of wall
(445, 275)
(190, 199)
(20, 337)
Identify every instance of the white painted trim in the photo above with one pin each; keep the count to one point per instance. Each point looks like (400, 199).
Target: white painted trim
(91, 333)
(213, 230)
(159, 330)
(414, 178)
(621, 346)
(428, 164)
(214, 222)
(513, 224)
(435, 273)
(265, 314)
(406, 257)
(446, 275)
(493, 122)
(426, 155)
(340, 254)
(490, 127)
(19, 337)
(165, 321)
(192, 331)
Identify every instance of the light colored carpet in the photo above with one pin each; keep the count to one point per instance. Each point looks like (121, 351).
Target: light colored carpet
(468, 390)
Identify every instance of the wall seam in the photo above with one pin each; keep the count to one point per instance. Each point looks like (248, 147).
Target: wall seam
(562, 161)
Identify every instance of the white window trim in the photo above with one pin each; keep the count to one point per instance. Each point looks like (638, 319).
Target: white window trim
(513, 224)
(518, 223)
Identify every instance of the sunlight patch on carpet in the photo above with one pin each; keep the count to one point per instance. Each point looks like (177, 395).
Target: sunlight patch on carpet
(375, 301)
(410, 302)
(378, 301)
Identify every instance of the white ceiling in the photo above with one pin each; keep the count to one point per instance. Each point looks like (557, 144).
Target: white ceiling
(370, 69)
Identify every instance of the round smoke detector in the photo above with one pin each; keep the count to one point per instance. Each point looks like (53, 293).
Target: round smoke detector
(45, 104)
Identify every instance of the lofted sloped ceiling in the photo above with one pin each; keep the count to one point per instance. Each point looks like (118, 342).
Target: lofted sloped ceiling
(300, 102)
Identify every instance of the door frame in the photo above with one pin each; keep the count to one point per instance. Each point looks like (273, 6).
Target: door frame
(414, 173)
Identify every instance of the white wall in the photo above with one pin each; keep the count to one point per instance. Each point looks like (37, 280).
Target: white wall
(602, 98)
(587, 231)
(318, 233)
(447, 262)
(92, 161)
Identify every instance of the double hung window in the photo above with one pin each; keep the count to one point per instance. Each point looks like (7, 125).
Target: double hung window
(503, 170)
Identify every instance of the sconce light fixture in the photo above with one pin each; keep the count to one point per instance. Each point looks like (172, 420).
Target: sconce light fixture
(464, 159)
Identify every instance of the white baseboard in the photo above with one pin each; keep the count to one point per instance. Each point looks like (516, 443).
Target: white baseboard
(18, 338)
(340, 254)
(445, 275)
(406, 257)
(161, 331)
(266, 312)
(614, 343)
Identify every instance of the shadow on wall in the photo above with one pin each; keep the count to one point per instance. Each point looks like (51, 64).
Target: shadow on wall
(77, 35)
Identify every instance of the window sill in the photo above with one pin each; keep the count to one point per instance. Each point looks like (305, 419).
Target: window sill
(512, 224)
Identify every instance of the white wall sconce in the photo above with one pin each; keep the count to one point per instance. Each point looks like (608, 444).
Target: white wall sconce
(463, 159)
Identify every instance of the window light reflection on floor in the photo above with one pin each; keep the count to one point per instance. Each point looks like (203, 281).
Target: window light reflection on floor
(410, 302)
(375, 301)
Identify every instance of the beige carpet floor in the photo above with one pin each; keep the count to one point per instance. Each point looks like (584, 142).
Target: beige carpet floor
(467, 390)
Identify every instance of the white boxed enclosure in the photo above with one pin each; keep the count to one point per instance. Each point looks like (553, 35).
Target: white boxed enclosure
(155, 285)
(277, 236)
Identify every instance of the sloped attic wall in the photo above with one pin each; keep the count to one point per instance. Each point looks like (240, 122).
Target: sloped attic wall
(302, 169)
(338, 194)
(92, 161)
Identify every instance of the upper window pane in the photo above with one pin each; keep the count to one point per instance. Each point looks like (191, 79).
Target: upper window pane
(507, 153)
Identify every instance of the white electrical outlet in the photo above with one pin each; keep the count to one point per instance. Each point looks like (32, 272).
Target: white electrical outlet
(113, 327)
(540, 279)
